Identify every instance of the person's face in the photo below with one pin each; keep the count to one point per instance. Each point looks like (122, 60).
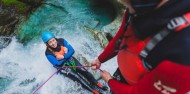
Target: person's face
(52, 43)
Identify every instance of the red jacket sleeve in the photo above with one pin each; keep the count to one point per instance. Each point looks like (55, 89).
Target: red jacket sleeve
(167, 78)
(110, 50)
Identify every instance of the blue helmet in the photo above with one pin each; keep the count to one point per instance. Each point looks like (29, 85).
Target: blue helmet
(46, 36)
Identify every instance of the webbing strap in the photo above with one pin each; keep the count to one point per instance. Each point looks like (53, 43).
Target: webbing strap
(175, 24)
(152, 43)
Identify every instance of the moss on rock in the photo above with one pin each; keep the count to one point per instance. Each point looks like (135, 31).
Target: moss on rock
(20, 7)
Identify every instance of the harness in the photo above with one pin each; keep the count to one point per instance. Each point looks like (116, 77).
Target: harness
(133, 52)
(71, 62)
(175, 25)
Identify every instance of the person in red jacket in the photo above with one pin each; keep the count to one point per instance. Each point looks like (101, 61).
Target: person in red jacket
(152, 47)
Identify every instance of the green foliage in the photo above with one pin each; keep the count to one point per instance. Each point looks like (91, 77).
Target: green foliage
(19, 5)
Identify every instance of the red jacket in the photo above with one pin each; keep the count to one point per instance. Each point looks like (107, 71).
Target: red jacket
(167, 78)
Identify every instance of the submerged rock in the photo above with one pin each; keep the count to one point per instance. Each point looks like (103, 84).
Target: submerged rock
(4, 83)
(27, 81)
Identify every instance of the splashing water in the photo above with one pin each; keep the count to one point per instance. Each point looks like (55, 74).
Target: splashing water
(24, 67)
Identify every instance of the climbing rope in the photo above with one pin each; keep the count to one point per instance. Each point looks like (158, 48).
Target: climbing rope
(58, 71)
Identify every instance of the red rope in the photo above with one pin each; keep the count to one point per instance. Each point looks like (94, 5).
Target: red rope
(75, 66)
(45, 81)
(100, 70)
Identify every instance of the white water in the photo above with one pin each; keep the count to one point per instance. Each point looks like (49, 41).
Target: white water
(21, 63)
(23, 68)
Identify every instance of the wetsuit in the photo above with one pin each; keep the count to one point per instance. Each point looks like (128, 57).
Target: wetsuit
(72, 73)
(169, 59)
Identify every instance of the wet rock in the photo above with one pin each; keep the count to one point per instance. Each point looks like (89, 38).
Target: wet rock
(12, 12)
(113, 27)
(6, 19)
(98, 35)
(101, 37)
(7, 28)
(82, 59)
(4, 41)
(27, 81)
(108, 31)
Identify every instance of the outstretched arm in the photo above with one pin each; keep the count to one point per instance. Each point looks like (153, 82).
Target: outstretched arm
(110, 50)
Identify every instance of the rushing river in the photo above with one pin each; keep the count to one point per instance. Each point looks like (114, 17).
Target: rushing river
(23, 64)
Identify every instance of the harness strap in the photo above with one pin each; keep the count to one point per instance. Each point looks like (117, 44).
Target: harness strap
(176, 24)
(152, 43)
(71, 62)
(128, 18)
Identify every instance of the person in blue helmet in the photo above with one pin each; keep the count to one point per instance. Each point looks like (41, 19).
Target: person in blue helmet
(59, 53)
